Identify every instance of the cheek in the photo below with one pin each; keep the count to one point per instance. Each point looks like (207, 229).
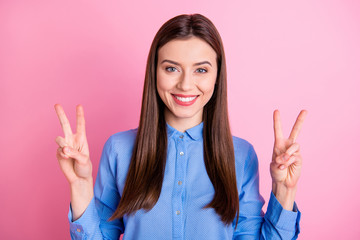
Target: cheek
(207, 86)
(164, 82)
(162, 85)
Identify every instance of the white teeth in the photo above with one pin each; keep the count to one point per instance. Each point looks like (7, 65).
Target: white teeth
(187, 99)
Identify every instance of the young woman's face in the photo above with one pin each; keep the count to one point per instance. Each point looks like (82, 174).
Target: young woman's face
(186, 76)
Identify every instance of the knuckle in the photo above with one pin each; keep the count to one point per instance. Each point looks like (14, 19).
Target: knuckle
(291, 160)
(62, 155)
(278, 159)
(274, 166)
(64, 149)
(58, 139)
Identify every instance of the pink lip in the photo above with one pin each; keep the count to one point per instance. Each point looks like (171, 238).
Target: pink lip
(184, 103)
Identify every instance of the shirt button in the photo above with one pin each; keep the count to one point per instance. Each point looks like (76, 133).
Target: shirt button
(179, 182)
(177, 212)
(78, 230)
(181, 153)
(181, 136)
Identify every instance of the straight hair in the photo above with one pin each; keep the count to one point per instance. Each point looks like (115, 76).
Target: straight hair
(146, 171)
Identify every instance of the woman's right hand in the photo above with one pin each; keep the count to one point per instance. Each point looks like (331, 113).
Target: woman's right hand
(73, 151)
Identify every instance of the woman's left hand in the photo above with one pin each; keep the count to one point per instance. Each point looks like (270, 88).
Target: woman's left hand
(286, 164)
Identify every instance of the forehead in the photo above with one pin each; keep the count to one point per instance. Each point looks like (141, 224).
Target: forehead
(193, 49)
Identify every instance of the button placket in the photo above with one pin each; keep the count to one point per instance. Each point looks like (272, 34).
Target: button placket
(181, 153)
(178, 186)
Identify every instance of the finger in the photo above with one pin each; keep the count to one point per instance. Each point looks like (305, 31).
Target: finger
(60, 154)
(284, 157)
(277, 125)
(295, 147)
(285, 165)
(294, 159)
(80, 120)
(290, 161)
(79, 157)
(61, 141)
(281, 159)
(63, 120)
(297, 126)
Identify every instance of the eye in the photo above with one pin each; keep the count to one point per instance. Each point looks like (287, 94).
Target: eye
(201, 70)
(170, 69)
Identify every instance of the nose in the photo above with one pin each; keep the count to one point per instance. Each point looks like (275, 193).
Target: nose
(186, 82)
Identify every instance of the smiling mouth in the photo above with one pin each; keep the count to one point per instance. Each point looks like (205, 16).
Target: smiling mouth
(184, 100)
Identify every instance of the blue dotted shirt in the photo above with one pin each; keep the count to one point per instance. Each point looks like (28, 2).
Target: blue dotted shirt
(186, 189)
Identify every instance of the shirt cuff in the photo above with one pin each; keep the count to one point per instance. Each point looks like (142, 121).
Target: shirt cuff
(282, 218)
(85, 225)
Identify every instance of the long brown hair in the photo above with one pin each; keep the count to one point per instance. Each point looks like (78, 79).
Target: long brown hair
(146, 171)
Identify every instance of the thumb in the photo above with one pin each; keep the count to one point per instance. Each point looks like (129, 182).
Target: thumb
(76, 155)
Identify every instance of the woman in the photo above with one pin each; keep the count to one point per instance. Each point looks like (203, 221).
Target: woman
(180, 174)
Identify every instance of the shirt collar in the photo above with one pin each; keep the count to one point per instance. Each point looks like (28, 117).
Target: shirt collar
(194, 133)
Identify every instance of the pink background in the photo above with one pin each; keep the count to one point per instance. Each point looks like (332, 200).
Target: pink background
(280, 54)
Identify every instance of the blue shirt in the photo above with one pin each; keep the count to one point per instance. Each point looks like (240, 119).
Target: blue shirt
(186, 189)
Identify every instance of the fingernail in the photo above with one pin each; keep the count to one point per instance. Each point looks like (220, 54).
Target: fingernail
(67, 149)
(285, 157)
(282, 167)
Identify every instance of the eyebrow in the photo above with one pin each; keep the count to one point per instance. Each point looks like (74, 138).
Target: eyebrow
(178, 64)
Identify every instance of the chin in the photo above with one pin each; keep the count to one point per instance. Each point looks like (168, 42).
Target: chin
(185, 114)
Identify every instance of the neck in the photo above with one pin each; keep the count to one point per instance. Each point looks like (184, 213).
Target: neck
(182, 124)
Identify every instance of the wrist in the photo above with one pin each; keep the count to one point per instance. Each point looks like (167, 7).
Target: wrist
(81, 194)
(82, 189)
(81, 182)
(284, 195)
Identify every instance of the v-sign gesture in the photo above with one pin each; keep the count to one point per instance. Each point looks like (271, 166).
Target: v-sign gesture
(73, 151)
(74, 160)
(286, 164)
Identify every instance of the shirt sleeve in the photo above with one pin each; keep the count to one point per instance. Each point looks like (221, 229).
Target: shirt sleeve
(277, 223)
(93, 223)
